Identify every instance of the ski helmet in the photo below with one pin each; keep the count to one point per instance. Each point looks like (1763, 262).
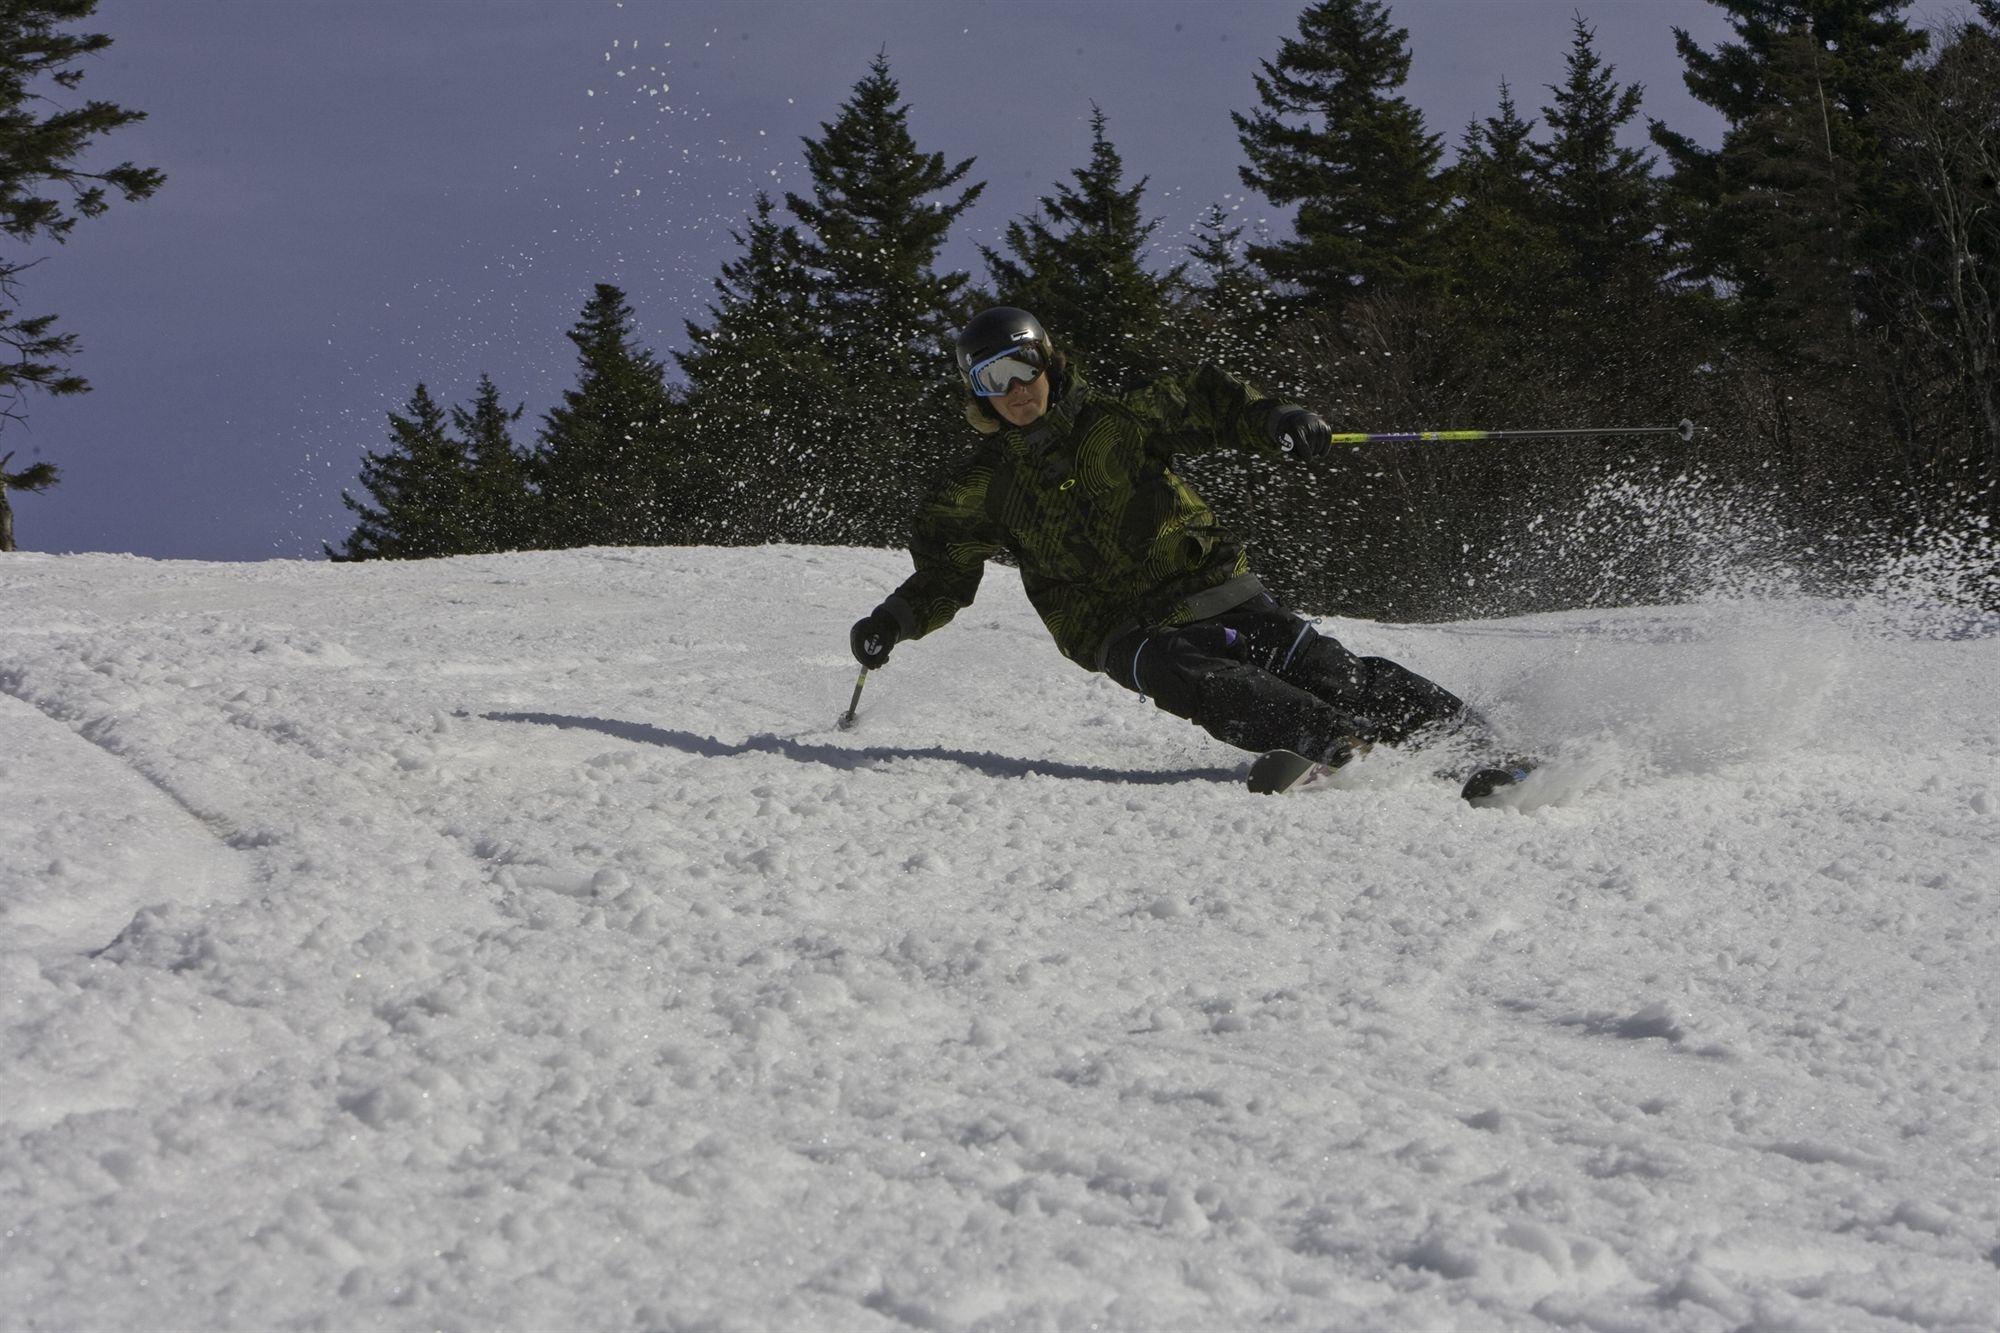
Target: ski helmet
(1001, 329)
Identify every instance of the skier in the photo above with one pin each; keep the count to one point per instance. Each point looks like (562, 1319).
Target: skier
(1131, 572)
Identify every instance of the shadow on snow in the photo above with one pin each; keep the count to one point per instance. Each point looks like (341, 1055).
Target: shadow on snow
(851, 759)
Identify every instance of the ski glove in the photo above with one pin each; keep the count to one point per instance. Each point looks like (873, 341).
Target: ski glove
(872, 637)
(1300, 432)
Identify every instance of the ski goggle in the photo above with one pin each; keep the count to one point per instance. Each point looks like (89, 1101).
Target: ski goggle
(1000, 372)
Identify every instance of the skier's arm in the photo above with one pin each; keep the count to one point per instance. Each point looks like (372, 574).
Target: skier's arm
(1212, 408)
(950, 545)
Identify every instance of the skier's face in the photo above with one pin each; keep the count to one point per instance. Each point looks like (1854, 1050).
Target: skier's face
(1024, 402)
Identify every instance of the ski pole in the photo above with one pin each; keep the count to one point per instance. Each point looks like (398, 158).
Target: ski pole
(847, 719)
(1685, 430)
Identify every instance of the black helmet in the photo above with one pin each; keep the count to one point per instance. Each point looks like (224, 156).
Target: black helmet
(1001, 329)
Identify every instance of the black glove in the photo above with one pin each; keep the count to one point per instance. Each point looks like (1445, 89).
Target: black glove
(1301, 433)
(873, 636)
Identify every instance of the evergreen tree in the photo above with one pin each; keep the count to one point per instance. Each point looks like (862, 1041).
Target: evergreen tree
(1335, 136)
(1233, 314)
(1496, 160)
(30, 480)
(1793, 226)
(1943, 130)
(762, 313)
(43, 193)
(418, 486)
(605, 468)
(760, 383)
(1080, 267)
(1793, 212)
(497, 514)
(1497, 250)
(872, 232)
(870, 235)
(1599, 196)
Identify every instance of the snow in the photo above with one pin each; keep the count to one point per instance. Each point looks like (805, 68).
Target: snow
(515, 941)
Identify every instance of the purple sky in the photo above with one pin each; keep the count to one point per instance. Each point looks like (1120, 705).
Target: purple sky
(365, 193)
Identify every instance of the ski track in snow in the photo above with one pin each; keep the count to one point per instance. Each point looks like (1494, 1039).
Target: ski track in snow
(514, 941)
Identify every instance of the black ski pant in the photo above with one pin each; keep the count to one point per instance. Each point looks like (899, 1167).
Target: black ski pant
(1260, 677)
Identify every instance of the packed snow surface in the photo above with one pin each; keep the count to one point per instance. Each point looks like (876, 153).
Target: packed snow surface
(516, 942)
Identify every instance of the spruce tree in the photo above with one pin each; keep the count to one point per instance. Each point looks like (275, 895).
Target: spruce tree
(1792, 225)
(604, 467)
(1791, 228)
(1496, 160)
(869, 236)
(1496, 247)
(1232, 311)
(43, 192)
(418, 487)
(1599, 196)
(30, 480)
(1943, 131)
(763, 310)
(1335, 136)
(1793, 212)
(872, 232)
(497, 515)
(760, 383)
(1079, 266)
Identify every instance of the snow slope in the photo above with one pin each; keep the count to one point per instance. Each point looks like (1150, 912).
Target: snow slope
(515, 942)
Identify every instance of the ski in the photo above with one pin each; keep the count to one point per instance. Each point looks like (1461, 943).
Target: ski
(1278, 771)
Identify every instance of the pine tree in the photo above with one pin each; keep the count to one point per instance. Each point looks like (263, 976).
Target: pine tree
(1496, 161)
(1233, 313)
(1497, 250)
(1599, 196)
(497, 514)
(418, 486)
(1079, 266)
(1335, 136)
(43, 193)
(1943, 132)
(603, 465)
(763, 311)
(1791, 228)
(759, 385)
(870, 236)
(1793, 211)
(30, 480)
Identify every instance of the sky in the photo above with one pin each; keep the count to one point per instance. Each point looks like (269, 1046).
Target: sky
(366, 194)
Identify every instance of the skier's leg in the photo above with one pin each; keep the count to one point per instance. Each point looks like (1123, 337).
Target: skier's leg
(1252, 709)
(1202, 672)
(1399, 701)
(1408, 707)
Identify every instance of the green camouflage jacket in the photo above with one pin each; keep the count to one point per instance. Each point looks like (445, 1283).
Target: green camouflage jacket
(1086, 501)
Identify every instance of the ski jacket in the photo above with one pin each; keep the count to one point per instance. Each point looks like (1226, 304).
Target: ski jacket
(1085, 500)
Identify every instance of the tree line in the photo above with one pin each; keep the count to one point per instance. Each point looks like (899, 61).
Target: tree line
(1821, 290)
